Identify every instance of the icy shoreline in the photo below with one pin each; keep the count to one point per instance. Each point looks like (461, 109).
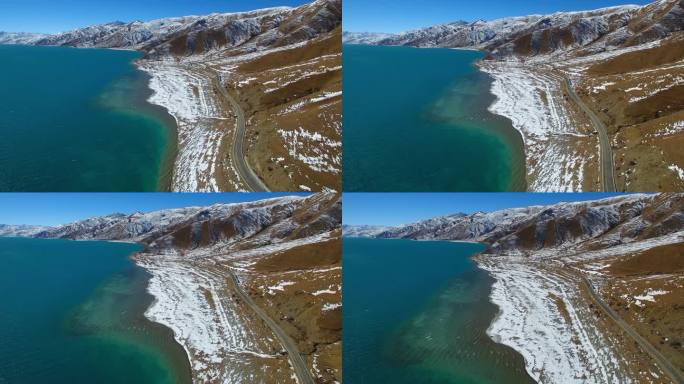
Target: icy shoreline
(183, 93)
(155, 309)
(210, 328)
(524, 95)
(559, 342)
(556, 345)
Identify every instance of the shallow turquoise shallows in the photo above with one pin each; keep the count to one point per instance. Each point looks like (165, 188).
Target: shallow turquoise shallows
(417, 120)
(72, 312)
(417, 312)
(77, 120)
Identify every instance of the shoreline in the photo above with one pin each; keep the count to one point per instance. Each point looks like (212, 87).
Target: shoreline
(158, 301)
(478, 264)
(104, 316)
(166, 167)
(460, 102)
(131, 147)
(165, 328)
(168, 331)
(183, 94)
(157, 101)
(155, 301)
(479, 283)
(503, 128)
(535, 328)
(531, 321)
(556, 144)
(212, 329)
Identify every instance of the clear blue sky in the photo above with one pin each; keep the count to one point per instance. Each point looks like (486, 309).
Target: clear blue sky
(405, 208)
(402, 15)
(50, 16)
(61, 208)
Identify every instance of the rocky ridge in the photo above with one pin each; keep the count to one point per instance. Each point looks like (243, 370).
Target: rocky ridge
(196, 227)
(252, 31)
(577, 225)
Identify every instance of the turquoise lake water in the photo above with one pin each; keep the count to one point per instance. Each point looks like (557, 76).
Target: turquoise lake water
(417, 312)
(77, 120)
(417, 120)
(72, 312)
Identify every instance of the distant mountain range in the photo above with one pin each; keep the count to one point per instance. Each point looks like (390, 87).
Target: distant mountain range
(270, 27)
(20, 37)
(364, 230)
(585, 225)
(588, 31)
(197, 227)
(369, 38)
(21, 230)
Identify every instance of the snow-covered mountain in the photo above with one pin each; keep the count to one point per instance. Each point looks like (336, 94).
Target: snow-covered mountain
(595, 30)
(20, 230)
(19, 37)
(461, 226)
(462, 33)
(587, 224)
(139, 34)
(119, 226)
(194, 227)
(368, 38)
(250, 31)
(363, 230)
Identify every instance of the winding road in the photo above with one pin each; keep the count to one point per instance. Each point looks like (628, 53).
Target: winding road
(661, 360)
(245, 172)
(296, 359)
(606, 154)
